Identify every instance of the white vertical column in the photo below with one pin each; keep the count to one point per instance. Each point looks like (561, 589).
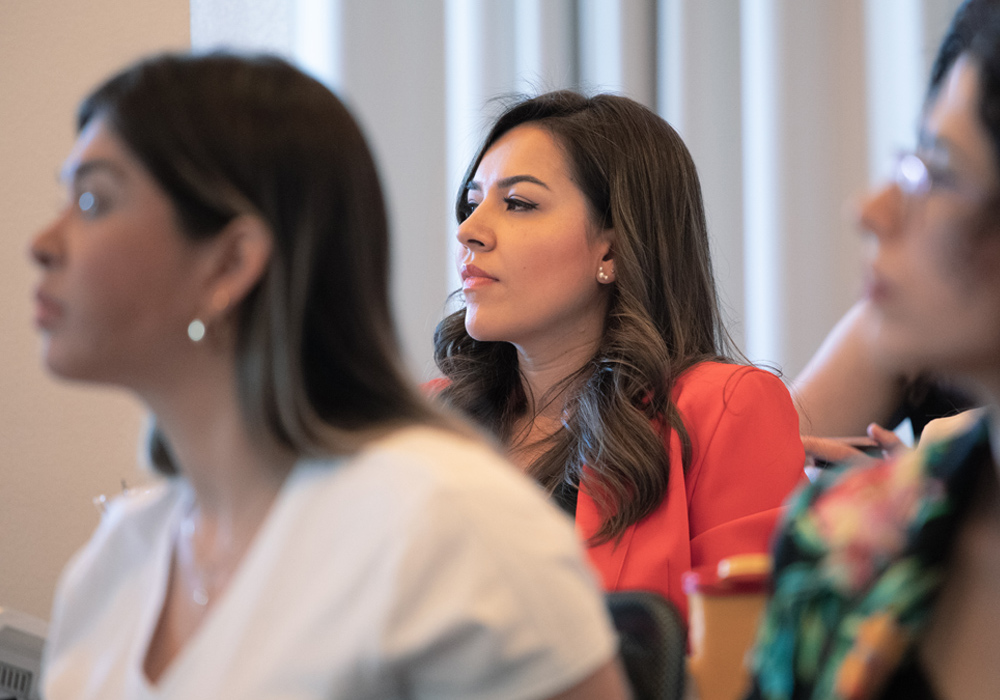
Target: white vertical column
(263, 25)
(600, 45)
(638, 50)
(894, 43)
(805, 156)
(698, 86)
(392, 75)
(763, 256)
(318, 39)
(618, 48)
(480, 66)
(545, 45)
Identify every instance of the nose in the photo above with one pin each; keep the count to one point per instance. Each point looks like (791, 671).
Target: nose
(46, 248)
(476, 233)
(881, 212)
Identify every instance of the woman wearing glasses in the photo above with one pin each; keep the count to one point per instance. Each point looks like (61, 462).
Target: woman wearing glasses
(886, 582)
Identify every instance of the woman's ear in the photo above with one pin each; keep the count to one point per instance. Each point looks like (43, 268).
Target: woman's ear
(606, 268)
(240, 255)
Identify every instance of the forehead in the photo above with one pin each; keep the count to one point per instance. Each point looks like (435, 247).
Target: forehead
(525, 149)
(952, 121)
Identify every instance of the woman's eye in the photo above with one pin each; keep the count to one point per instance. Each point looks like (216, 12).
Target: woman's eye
(514, 204)
(468, 207)
(90, 204)
(87, 201)
(939, 173)
(940, 177)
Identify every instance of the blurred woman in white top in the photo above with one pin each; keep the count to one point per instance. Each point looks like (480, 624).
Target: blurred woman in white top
(321, 532)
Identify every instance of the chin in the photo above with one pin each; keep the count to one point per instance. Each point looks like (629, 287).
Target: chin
(908, 357)
(67, 366)
(897, 355)
(478, 330)
(896, 345)
(66, 371)
(478, 334)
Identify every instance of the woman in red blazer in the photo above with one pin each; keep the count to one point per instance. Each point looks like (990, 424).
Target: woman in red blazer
(590, 342)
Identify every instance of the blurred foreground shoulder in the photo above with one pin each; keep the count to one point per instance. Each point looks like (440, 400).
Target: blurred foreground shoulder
(491, 573)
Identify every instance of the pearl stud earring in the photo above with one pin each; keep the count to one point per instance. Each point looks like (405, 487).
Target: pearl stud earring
(196, 330)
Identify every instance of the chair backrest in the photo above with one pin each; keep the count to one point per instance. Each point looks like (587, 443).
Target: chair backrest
(653, 642)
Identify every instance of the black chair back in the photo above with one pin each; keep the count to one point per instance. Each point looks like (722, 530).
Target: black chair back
(653, 643)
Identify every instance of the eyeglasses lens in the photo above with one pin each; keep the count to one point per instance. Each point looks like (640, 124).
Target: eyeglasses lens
(911, 175)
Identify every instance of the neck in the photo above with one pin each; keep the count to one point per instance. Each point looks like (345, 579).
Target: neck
(545, 371)
(233, 472)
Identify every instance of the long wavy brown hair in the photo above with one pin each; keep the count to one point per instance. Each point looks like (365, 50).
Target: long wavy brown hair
(663, 316)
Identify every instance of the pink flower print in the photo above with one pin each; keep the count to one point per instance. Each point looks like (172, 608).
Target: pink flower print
(863, 520)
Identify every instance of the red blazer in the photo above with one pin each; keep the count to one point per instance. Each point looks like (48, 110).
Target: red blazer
(746, 457)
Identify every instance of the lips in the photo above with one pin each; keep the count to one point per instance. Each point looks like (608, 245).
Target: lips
(475, 278)
(47, 310)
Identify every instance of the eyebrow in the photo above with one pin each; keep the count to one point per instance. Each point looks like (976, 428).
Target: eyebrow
(87, 167)
(504, 183)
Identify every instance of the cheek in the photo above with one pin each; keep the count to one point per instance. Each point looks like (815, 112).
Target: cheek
(562, 279)
(135, 289)
(957, 269)
(947, 314)
(563, 257)
(126, 278)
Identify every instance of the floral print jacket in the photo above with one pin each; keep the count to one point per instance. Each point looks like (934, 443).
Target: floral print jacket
(859, 560)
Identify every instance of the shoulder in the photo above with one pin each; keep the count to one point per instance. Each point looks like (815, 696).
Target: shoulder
(468, 549)
(746, 454)
(723, 381)
(864, 548)
(853, 517)
(420, 492)
(710, 392)
(111, 566)
(450, 481)
(129, 529)
(858, 516)
(415, 462)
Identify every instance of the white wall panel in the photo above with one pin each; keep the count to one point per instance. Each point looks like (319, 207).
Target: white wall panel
(699, 94)
(545, 52)
(61, 443)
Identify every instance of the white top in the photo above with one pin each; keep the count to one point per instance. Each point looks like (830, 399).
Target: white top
(425, 567)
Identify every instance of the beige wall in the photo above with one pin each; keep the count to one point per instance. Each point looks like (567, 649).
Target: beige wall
(60, 445)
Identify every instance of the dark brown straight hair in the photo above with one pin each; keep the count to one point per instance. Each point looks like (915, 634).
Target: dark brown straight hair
(663, 317)
(975, 30)
(224, 136)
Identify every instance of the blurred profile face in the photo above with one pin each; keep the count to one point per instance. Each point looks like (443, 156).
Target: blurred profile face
(934, 244)
(530, 252)
(117, 287)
